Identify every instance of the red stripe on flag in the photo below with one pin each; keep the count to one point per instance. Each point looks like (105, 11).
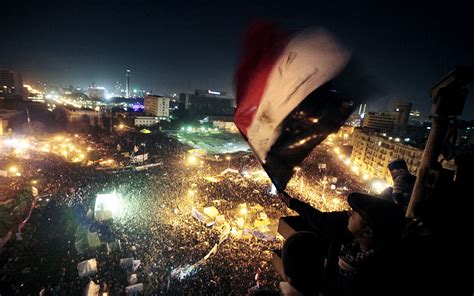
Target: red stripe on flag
(262, 47)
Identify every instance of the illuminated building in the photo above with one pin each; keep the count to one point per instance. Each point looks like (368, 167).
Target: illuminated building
(157, 106)
(117, 89)
(128, 86)
(372, 153)
(96, 92)
(415, 118)
(11, 85)
(146, 120)
(208, 103)
(395, 121)
(75, 116)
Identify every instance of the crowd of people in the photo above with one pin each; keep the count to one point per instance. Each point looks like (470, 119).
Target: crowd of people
(155, 224)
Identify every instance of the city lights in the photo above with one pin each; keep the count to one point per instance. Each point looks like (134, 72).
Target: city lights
(13, 169)
(379, 186)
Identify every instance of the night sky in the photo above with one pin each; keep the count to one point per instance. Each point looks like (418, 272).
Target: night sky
(176, 46)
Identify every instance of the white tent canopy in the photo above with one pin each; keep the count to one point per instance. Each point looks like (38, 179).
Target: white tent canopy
(86, 268)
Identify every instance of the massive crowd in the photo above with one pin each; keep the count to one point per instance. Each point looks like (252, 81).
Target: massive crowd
(155, 225)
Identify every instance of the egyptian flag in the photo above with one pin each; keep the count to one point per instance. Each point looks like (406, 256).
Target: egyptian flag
(288, 99)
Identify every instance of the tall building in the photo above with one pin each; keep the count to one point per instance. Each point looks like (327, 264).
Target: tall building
(157, 106)
(415, 118)
(394, 121)
(117, 89)
(128, 86)
(96, 92)
(11, 85)
(380, 121)
(208, 103)
(402, 109)
(372, 153)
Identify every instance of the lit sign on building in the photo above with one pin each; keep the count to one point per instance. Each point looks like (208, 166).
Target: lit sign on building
(213, 92)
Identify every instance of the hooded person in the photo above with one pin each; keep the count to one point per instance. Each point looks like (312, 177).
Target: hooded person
(360, 248)
(303, 261)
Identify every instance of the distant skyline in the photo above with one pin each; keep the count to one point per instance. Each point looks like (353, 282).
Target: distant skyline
(173, 47)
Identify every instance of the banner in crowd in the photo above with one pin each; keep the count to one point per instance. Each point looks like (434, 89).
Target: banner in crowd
(140, 158)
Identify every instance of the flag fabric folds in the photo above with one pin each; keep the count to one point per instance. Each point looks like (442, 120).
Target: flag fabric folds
(288, 99)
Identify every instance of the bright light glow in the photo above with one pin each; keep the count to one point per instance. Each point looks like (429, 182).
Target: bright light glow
(340, 156)
(379, 186)
(365, 177)
(228, 158)
(192, 160)
(121, 126)
(336, 149)
(243, 211)
(273, 190)
(106, 206)
(213, 92)
(355, 169)
(13, 169)
(347, 161)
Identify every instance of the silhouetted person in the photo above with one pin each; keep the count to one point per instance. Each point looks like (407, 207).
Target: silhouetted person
(361, 248)
(303, 264)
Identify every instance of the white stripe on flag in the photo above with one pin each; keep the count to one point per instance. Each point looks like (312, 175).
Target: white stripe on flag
(311, 59)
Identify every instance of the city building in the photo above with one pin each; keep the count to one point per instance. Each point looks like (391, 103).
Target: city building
(372, 152)
(118, 89)
(415, 118)
(96, 92)
(157, 106)
(11, 85)
(146, 120)
(208, 103)
(225, 123)
(74, 116)
(389, 121)
(128, 86)
(379, 121)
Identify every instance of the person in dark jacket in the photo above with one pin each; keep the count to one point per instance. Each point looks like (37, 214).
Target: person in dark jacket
(361, 244)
